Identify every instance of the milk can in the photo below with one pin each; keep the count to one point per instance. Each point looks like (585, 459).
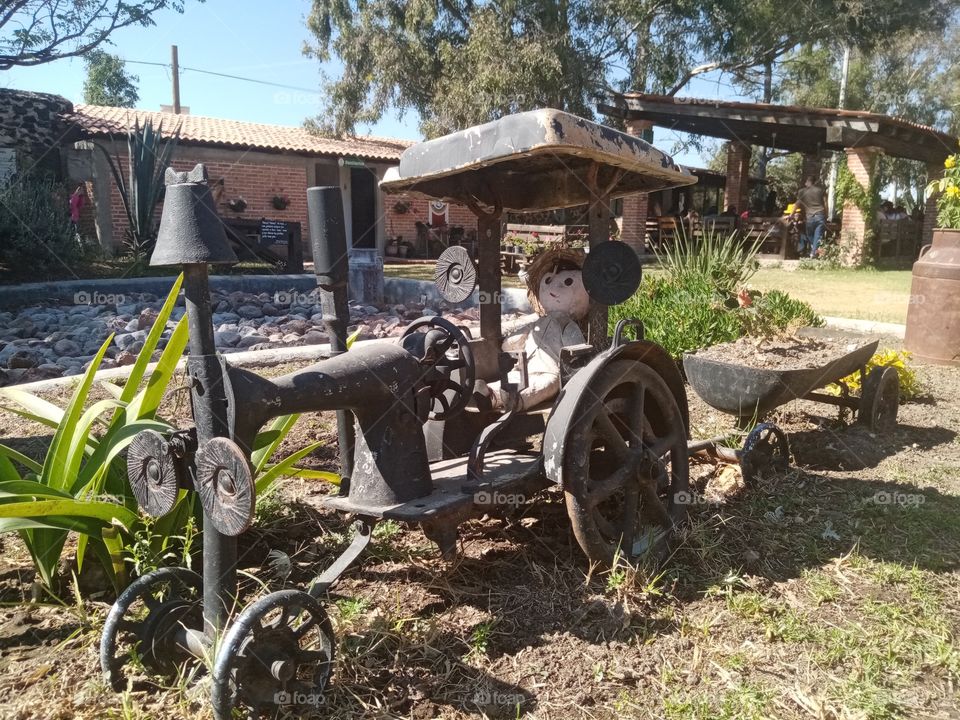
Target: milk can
(933, 318)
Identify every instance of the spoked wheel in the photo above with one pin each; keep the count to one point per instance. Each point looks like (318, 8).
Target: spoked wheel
(766, 448)
(145, 620)
(880, 400)
(279, 652)
(625, 465)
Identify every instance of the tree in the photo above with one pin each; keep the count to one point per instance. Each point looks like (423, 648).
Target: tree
(107, 81)
(459, 62)
(34, 32)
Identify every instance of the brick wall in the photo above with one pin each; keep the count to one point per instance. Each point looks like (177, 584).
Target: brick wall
(405, 224)
(861, 162)
(256, 182)
(633, 221)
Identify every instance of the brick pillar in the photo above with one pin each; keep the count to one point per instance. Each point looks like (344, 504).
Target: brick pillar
(633, 226)
(811, 166)
(934, 172)
(861, 162)
(737, 191)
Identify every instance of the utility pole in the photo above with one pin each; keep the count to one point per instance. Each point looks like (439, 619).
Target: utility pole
(834, 166)
(175, 63)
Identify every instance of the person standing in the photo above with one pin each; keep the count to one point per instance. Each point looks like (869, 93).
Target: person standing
(77, 202)
(811, 199)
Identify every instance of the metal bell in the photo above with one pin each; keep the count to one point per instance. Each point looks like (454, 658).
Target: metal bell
(190, 229)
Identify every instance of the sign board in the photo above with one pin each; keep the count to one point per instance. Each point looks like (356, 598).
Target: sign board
(275, 232)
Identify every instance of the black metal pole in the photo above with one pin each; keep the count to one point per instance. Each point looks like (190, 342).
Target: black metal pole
(210, 415)
(328, 239)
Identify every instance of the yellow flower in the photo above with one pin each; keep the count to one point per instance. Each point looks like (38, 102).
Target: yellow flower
(953, 191)
(950, 162)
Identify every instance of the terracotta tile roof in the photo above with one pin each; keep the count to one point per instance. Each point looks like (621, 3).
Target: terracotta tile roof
(97, 120)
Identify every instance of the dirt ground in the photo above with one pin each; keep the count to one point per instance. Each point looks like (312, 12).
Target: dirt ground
(829, 591)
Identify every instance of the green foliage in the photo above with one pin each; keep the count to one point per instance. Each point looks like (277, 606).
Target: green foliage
(948, 203)
(79, 486)
(33, 32)
(108, 82)
(148, 157)
(722, 259)
(36, 234)
(867, 201)
(702, 301)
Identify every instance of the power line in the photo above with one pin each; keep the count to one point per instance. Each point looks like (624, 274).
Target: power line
(225, 75)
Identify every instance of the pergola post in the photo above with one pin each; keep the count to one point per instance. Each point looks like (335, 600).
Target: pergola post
(811, 166)
(633, 228)
(934, 172)
(862, 163)
(737, 191)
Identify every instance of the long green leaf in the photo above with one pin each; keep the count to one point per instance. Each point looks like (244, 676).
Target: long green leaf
(41, 410)
(95, 510)
(90, 478)
(150, 343)
(145, 403)
(277, 432)
(29, 463)
(55, 464)
(19, 488)
(283, 467)
(78, 442)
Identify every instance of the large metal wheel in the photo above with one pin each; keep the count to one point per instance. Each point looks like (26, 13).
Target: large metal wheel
(880, 400)
(626, 466)
(145, 620)
(279, 652)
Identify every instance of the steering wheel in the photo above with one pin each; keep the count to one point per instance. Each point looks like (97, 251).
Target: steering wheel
(443, 350)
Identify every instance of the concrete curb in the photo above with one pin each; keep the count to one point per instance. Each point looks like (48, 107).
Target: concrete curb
(868, 327)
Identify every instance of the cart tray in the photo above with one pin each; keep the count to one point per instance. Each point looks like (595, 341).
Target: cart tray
(746, 391)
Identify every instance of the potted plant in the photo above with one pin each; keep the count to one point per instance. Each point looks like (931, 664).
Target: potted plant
(280, 202)
(932, 313)
(402, 207)
(392, 248)
(238, 204)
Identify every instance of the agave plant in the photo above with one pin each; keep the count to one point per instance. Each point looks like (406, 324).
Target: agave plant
(148, 156)
(79, 487)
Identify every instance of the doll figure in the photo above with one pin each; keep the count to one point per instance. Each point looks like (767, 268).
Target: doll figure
(556, 291)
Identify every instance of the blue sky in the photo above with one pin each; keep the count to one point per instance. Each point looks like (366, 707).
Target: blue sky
(257, 40)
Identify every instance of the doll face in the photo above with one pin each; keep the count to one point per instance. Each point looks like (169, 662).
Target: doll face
(563, 291)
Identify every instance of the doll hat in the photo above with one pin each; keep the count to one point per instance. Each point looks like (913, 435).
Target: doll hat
(546, 262)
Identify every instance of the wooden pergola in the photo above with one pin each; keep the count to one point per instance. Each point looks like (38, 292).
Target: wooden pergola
(862, 136)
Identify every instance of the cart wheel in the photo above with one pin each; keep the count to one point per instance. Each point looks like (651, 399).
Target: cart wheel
(626, 466)
(880, 400)
(766, 448)
(278, 652)
(144, 620)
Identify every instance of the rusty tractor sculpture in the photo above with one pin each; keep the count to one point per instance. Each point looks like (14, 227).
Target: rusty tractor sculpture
(412, 447)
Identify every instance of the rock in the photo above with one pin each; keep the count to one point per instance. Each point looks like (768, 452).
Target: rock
(412, 314)
(295, 326)
(125, 358)
(270, 310)
(132, 325)
(226, 338)
(225, 317)
(275, 337)
(249, 311)
(249, 341)
(290, 339)
(66, 347)
(146, 319)
(314, 337)
(124, 340)
(429, 311)
(23, 359)
(135, 347)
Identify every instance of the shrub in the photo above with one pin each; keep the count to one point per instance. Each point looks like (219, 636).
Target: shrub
(36, 234)
(776, 312)
(897, 359)
(725, 260)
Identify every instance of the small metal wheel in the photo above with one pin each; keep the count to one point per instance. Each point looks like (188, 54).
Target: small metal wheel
(278, 652)
(145, 619)
(626, 466)
(225, 485)
(152, 471)
(766, 448)
(455, 275)
(880, 400)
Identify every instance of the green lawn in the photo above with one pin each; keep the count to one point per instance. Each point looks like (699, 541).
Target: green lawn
(881, 295)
